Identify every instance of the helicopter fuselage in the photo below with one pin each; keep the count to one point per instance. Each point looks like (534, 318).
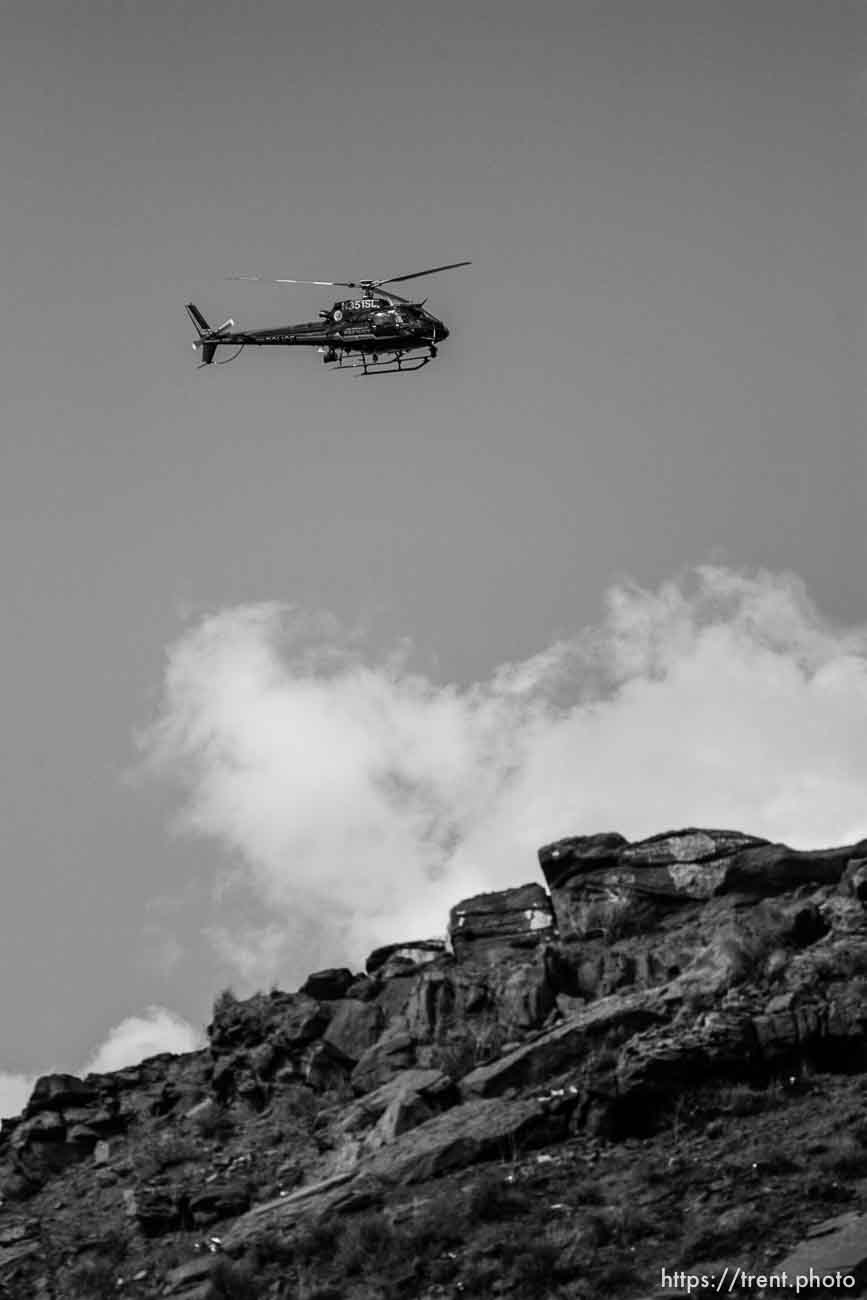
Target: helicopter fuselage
(378, 324)
(366, 325)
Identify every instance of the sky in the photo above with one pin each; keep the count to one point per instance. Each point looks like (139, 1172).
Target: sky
(292, 663)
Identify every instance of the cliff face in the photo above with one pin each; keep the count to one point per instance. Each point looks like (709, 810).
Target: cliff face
(652, 975)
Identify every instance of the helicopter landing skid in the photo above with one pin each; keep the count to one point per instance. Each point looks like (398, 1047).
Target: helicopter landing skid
(396, 364)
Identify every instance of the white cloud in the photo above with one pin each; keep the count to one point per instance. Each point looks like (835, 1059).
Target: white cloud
(359, 800)
(14, 1092)
(137, 1037)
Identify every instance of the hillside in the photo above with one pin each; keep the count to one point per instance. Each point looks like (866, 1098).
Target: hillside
(657, 1060)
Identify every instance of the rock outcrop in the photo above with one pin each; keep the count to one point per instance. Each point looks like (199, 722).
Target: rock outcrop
(491, 927)
(835, 1248)
(654, 972)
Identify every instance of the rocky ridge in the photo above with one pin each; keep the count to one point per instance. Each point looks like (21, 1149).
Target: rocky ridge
(650, 987)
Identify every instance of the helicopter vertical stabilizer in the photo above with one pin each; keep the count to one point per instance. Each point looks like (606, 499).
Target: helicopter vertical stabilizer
(198, 319)
(209, 339)
(208, 351)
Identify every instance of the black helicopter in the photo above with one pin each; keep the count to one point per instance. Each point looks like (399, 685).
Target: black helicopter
(389, 333)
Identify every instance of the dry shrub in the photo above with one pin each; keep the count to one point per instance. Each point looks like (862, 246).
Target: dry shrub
(230, 1281)
(845, 1158)
(368, 1243)
(93, 1279)
(315, 1240)
(712, 1239)
(273, 1248)
(439, 1225)
(741, 1099)
(492, 1199)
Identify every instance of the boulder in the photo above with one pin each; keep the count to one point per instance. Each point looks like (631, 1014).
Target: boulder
(394, 1052)
(223, 1078)
(264, 1059)
(735, 1045)
(853, 882)
(363, 988)
(105, 1120)
(354, 1027)
(412, 1098)
(295, 1021)
(181, 1278)
(327, 985)
(289, 1020)
(324, 1067)
(81, 1135)
(43, 1146)
(399, 958)
(339, 1193)
(218, 1200)
(405, 1112)
(101, 1152)
(131, 1076)
(692, 845)
(13, 1233)
(575, 853)
(437, 1090)
(16, 1251)
(837, 1246)
(596, 967)
(653, 1066)
(165, 1098)
(477, 1130)
(489, 927)
(393, 994)
(830, 1032)
(432, 1002)
(485, 1004)
(45, 1126)
(601, 884)
(252, 1092)
(159, 1210)
(16, 1182)
(775, 868)
(563, 1046)
(525, 997)
(55, 1091)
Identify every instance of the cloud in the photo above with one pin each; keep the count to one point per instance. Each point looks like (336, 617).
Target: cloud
(138, 1037)
(357, 800)
(133, 1040)
(14, 1092)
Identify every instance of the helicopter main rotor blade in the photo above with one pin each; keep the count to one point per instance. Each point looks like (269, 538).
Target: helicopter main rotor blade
(353, 284)
(263, 279)
(415, 275)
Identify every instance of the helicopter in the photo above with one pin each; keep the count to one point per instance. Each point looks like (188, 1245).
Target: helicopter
(388, 333)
